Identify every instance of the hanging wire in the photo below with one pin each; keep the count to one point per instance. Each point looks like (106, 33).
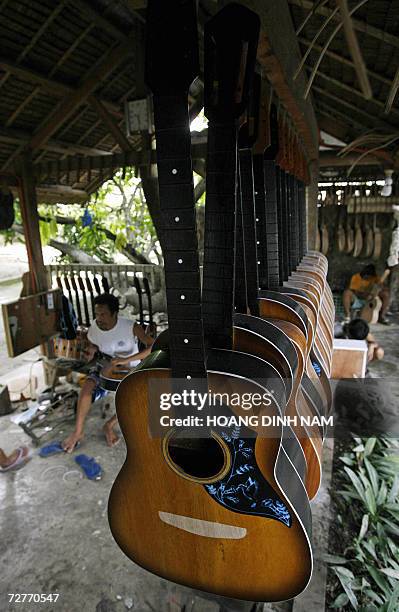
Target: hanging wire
(316, 36)
(312, 11)
(387, 144)
(327, 44)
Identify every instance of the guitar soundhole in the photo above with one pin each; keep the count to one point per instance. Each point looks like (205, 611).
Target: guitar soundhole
(204, 460)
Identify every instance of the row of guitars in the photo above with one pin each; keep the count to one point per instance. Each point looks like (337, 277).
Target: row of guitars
(228, 511)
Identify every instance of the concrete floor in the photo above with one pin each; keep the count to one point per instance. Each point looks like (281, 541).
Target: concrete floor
(55, 536)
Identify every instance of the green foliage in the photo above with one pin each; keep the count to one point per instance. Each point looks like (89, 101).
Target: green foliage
(120, 218)
(365, 572)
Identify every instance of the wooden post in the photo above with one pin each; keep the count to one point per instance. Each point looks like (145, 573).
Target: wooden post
(30, 221)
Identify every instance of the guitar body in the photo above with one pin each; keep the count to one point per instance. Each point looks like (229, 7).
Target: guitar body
(371, 311)
(203, 533)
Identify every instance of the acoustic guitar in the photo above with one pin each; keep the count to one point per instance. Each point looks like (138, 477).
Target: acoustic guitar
(200, 511)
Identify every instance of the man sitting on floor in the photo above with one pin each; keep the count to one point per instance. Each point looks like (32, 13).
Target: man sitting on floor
(361, 288)
(359, 330)
(111, 335)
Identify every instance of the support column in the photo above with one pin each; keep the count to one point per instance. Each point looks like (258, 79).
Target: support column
(30, 222)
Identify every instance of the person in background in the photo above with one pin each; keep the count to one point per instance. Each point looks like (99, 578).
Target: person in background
(364, 286)
(357, 329)
(113, 336)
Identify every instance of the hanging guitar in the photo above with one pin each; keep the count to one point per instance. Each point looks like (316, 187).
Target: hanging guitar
(190, 511)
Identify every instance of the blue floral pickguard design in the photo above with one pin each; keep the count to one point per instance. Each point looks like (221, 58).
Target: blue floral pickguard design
(244, 489)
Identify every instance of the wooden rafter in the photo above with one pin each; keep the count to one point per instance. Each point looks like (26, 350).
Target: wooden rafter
(345, 61)
(355, 109)
(68, 106)
(392, 93)
(99, 19)
(20, 137)
(57, 10)
(332, 110)
(112, 126)
(36, 36)
(328, 159)
(361, 26)
(49, 84)
(356, 92)
(110, 161)
(354, 49)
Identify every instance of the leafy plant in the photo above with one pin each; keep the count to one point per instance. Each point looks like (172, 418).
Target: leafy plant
(365, 570)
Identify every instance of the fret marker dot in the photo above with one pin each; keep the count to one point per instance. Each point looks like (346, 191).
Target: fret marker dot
(258, 263)
(257, 219)
(174, 171)
(180, 261)
(257, 242)
(177, 219)
(185, 341)
(182, 297)
(188, 377)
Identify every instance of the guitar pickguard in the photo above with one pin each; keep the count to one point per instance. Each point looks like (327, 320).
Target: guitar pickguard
(244, 489)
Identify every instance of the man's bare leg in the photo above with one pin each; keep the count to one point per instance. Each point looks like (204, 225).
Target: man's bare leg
(84, 403)
(5, 460)
(347, 299)
(110, 434)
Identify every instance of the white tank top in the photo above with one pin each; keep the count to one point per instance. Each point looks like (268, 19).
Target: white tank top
(116, 342)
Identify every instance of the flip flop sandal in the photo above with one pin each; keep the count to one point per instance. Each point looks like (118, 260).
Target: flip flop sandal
(51, 449)
(91, 469)
(20, 459)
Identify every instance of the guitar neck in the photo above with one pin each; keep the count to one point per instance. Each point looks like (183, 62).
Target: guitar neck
(179, 235)
(240, 268)
(286, 230)
(272, 237)
(220, 211)
(249, 230)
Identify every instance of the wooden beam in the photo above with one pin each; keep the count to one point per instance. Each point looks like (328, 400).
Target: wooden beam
(392, 93)
(30, 220)
(56, 11)
(112, 126)
(56, 87)
(353, 91)
(354, 49)
(21, 137)
(332, 109)
(361, 26)
(99, 19)
(110, 162)
(328, 159)
(276, 36)
(67, 107)
(55, 191)
(355, 109)
(344, 60)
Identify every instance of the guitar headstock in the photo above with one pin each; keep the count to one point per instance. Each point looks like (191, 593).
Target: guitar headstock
(172, 61)
(231, 42)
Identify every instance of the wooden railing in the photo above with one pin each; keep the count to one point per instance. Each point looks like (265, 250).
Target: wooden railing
(118, 276)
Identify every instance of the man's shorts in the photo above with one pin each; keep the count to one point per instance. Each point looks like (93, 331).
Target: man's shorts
(98, 391)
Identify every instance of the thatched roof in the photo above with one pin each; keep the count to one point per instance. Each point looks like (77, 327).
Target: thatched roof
(67, 67)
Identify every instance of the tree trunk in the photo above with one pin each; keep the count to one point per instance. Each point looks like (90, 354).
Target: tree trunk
(75, 253)
(128, 251)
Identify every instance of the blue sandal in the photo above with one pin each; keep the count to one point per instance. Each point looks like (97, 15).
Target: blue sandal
(51, 449)
(92, 470)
